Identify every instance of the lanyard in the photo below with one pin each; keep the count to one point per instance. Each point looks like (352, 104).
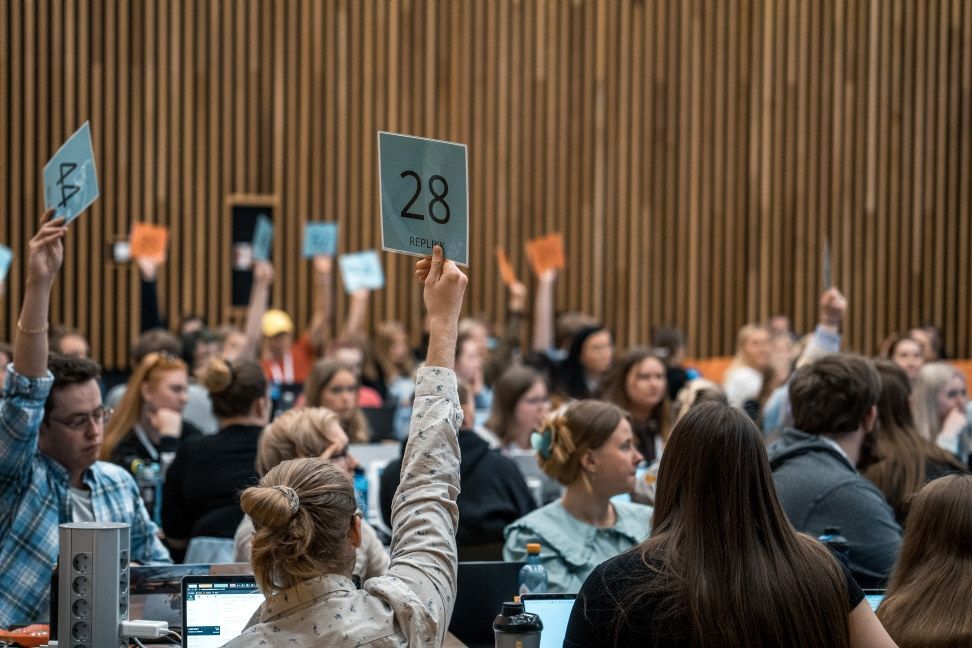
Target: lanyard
(287, 375)
(146, 443)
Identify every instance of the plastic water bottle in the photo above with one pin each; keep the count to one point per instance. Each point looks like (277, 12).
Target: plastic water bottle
(148, 477)
(514, 628)
(837, 543)
(361, 490)
(533, 575)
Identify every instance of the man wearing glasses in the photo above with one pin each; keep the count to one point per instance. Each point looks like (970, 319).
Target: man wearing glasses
(51, 426)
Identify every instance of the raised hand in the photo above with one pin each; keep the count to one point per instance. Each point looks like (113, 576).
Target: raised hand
(46, 249)
(263, 273)
(833, 307)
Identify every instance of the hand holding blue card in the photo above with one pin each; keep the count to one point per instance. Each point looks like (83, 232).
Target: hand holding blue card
(70, 178)
(361, 270)
(6, 258)
(320, 239)
(262, 238)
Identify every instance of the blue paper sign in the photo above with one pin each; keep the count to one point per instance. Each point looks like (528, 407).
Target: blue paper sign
(70, 178)
(320, 238)
(361, 270)
(6, 258)
(424, 196)
(262, 238)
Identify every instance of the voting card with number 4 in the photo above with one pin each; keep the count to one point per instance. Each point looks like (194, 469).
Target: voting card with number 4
(70, 178)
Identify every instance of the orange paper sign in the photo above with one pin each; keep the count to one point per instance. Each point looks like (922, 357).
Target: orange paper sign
(546, 253)
(149, 241)
(505, 268)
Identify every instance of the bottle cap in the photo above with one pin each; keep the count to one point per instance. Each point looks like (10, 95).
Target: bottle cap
(831, 530)
(533, 548)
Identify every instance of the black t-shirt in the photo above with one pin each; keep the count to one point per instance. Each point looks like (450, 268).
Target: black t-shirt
(595, 614)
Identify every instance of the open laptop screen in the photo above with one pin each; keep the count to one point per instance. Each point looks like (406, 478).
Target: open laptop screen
(554, 612)
(215, 609)
(874, 598)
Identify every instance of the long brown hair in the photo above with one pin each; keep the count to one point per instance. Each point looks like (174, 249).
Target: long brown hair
(932, 582)
(616, 391)
(123, 420)
(508, 389)
(903, 452)
(729, 568)
(320, 377)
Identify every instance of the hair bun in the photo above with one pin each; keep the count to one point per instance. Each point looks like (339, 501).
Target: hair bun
(217, 375)
(271, 507)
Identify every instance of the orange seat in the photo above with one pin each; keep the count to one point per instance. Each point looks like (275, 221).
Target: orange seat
(711, 368)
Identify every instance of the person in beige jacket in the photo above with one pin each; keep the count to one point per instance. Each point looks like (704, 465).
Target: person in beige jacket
(308, 527)
(311, 432)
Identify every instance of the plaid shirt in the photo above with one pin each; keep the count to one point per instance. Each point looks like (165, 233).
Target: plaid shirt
(34, 501)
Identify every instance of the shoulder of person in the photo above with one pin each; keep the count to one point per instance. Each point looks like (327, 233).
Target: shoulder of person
(633, 520)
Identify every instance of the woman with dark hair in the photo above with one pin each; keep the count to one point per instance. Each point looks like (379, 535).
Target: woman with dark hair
(588, 362)
(588, 447)
(904, 351)
(907, 461)
(637, 385)
(723, 565)
(200, 496)
(927, 602)
(335, 385)
(521, 403)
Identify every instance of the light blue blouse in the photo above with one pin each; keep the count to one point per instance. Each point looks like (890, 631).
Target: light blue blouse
(571, 549)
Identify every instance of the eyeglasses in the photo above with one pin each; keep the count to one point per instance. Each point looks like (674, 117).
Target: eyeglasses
(337, 390)
(79, 422)
(954, 393)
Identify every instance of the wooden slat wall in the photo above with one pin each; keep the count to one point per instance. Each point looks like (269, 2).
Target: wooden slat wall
(696, 155)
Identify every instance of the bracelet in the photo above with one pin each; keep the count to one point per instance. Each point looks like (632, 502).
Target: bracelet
(40, 331)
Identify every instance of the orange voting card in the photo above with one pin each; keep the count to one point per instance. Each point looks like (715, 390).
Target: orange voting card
(149, 241)
(546, 252)
(505, 267)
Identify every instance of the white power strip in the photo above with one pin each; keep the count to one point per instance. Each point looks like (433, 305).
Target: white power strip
(143, 629)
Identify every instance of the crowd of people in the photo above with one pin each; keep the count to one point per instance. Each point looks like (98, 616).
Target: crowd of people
(682, 511)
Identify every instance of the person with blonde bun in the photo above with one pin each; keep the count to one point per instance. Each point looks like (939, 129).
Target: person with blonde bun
(589, 447)
(200, 496)
(311, 432)
(308, 526)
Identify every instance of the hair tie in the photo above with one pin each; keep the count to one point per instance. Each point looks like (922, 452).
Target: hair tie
(291, 496)
(541, 442)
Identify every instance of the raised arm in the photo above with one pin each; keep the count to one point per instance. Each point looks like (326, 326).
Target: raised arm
(424, 511)
(46, 252)
(354, 323)
(151, 316)
(509, 342)
(826, 337)
(259, 296)
(321, 327)
(543, 313)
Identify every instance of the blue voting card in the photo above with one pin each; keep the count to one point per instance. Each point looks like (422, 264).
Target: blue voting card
(361, 270)
(262, 238)
(424, 196)
(6, 258)
(70, 178)
(320, 238)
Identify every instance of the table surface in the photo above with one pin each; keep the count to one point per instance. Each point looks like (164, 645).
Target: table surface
(452, 642)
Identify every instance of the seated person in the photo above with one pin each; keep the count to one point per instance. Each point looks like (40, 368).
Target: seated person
(492, 491)
(589, 447)
(335, 385)
(815, 463)
(312, 432)
(308, 525)
(148, 423)
(723, 566)
(744, 378)
(200, 496)
(51, 425)
(927, 601)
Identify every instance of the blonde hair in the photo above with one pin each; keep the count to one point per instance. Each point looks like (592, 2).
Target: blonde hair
(924, 399)
(122, 423)
(697, 391)
(294, 434)
(291, 546)
(745, 333)
(581, 426)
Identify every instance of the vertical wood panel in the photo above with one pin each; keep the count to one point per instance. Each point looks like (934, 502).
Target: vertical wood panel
(695, 156)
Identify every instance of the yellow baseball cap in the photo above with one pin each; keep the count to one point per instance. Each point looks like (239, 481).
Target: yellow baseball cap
(276, 322)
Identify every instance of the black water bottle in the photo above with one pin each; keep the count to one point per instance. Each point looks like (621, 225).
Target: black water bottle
(514, 628)
(837, 543)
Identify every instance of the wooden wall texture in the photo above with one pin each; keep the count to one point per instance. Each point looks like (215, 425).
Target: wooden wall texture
(696, 155)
